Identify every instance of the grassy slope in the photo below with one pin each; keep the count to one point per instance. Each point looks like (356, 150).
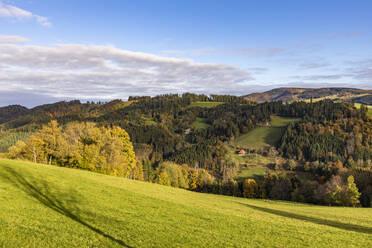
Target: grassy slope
(149, 122)
(304, 94)
(336, 97)
(254, 165)
(200, 123)
(250, 172)
(264, 136)
(47, 206)
(357, 105)
(206, 104)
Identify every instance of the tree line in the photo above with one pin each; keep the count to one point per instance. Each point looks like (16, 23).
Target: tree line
(328, 136)
(106, 150)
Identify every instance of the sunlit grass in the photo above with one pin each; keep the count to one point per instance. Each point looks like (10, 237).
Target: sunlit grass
(206, 104)
(264, 136)
(357, 105)
(254, 165)
(48, 206)
(199, 123)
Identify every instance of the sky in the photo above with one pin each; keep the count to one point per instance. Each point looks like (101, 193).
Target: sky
(103, 50)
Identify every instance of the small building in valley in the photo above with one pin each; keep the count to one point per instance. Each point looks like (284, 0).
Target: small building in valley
(242, 152)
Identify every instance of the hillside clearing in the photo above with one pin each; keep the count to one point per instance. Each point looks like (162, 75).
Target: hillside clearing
(200, 123)
(47, 206)
(337, 97)
(206, 104)
(357, 105)
(264, 136)
(254, 166)
(254, 172)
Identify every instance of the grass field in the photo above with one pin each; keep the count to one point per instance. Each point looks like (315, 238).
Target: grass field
(206, 104)
(357, 105)
(254, 172)
(336, 97)
(200, 123)
(264, 136)
(47, 206)
(149, 122)
(254, 166)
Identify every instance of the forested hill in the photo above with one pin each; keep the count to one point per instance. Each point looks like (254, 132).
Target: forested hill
(187, 141)
(297, 94)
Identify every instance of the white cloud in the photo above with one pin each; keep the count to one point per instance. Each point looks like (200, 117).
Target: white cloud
(15, 13)
(325, 77)
(106, 72)
(12, 39)
(363, 73)
(247, 51)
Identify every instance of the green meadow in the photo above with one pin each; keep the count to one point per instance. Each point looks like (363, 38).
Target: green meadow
(206, 104)
(200, 123)
(253, 172)
(357, 105)
(254, 166)
(264, 136)
(49, 206)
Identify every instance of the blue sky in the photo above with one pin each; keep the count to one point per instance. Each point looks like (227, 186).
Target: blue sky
(102, 50)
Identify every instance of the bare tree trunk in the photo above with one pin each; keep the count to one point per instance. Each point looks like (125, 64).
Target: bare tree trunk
(34, 152)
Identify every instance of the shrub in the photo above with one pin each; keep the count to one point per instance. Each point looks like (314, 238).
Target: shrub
(163, 179)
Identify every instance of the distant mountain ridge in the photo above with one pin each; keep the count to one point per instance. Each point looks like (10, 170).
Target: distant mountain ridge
(10, 111)
(305, 94)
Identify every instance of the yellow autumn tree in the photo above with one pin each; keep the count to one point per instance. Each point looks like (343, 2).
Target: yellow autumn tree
(106, 150)
(250, 188)
(35, 149)
(17, 151)
(52, 137)
(194, 178)
(137, 172)
(163, 179)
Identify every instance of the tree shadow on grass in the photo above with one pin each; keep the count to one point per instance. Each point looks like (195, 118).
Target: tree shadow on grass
(331, 223)
(65, 203)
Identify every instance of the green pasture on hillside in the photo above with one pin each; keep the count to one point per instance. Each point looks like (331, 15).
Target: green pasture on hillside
(49, 206)
(254, 165)
(199, 123)
(264, 136)
(206, 104)
(357, 105)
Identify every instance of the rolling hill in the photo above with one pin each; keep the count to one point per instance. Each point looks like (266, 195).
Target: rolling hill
(295, 94)
(47, 206)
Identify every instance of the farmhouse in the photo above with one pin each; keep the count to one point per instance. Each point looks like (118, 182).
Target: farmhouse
(242, 152)
(188, 131)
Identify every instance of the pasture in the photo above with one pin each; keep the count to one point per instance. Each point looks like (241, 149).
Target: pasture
(49, 206)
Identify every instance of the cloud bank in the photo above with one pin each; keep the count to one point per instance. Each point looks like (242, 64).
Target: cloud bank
(18, 14)
(32, 75)
(12, 39)
(67, 71)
